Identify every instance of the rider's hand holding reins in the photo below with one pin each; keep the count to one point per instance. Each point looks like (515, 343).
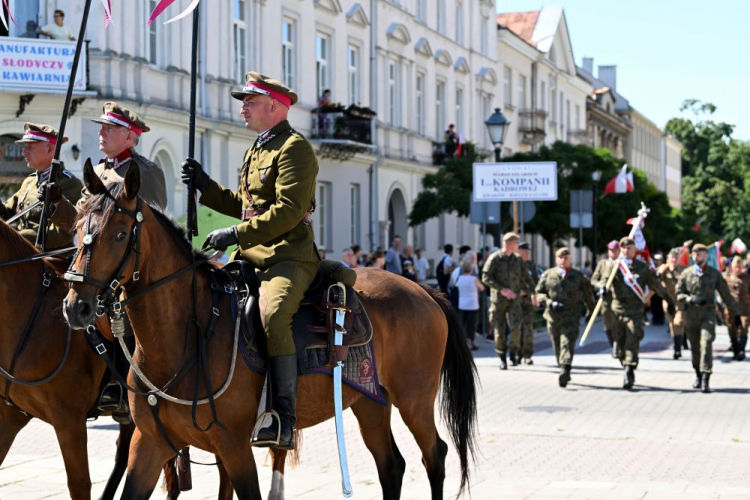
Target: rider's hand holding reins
(193, 171)
(220, 239)
(55, 193)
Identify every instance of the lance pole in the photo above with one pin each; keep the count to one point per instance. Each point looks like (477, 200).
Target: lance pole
(192, 208)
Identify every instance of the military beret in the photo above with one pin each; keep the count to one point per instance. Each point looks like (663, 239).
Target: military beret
(613, 245)
(114, 114)
(627, 241)
(258, 84)
(511, 237)
(39, 133)
(700, 247)
(562, 252)
(524, 246)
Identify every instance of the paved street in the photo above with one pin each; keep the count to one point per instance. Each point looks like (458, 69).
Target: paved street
(591, 440)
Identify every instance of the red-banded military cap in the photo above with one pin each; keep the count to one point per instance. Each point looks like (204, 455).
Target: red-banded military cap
(39, 133)
(114, 114)
(258, 84)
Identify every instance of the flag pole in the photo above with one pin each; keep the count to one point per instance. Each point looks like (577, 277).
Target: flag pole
(192, 208)
(642, 214)
(41, 237)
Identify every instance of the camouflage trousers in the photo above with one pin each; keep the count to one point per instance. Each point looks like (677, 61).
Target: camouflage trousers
(506, 312)
(527, 328)
(608, 317)
(700, 328)
(627, 331)
(564, 336)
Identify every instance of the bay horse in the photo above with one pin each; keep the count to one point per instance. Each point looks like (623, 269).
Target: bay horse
(418, 342)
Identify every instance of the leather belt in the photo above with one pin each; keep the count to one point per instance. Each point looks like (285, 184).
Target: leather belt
(251, 212)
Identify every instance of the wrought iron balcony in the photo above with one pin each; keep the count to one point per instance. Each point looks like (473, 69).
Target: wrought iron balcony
(531, 128)
(342, 132)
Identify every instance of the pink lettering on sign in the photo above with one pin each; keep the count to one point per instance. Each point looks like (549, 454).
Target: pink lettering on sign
(30, 63)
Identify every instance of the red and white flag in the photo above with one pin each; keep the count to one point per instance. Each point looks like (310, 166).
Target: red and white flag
(738, 246)
(642, 251)
(621, 183)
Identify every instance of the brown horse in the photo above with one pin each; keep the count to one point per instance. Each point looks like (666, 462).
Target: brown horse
(418, 342)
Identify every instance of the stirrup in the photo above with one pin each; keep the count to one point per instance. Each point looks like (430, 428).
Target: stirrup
(259, 425)
(111, 406)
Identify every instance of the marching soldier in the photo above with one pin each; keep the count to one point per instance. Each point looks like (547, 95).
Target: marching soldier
(275, 202)
(669, 273)
(696, 290)
(561, 290)
(739, 286)
(39, 142)
(628, 295)
(529, 303)
(505, 274)
(598, 281)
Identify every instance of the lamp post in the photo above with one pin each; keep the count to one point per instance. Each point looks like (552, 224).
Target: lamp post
(596, 176)
(497, 125)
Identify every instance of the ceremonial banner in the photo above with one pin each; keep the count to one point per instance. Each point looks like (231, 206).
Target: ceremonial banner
(714, 256)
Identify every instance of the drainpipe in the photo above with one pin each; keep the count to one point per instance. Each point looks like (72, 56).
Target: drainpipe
(373, 171)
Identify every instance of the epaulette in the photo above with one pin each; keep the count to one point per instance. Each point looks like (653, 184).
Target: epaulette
(67, 173)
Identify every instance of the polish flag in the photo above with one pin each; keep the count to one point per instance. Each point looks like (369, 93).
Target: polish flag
(641, 247)
(622, 183)
(738, 246)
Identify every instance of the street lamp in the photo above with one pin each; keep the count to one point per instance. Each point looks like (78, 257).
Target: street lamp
(497, 125)
(596, 176)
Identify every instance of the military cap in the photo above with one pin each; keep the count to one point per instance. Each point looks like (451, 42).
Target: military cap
(626, 241)
(524, 246)
(39, 133)
(562, 252)
(511, 237)
(700, 247)
(258, 84)
(114, 114)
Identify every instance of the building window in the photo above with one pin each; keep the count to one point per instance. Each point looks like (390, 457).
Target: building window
(485, 38)
(393, 96)
(521, 92)
(322, 62)
(152, 35)
(507, 87)
(441, 16)
(485, 113)
(287, 52)
(421, 10)
(322, 219)
(439, 110)
(567, 115)
(355, 213)
(353, 56)
(543, 96)
(562, 116)
(578, 117)
(240, 43)
(420, 103)
(459, 23)
(459, 110)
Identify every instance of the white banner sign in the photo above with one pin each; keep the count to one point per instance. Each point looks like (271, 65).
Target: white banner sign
(33, 65)
(528, 181)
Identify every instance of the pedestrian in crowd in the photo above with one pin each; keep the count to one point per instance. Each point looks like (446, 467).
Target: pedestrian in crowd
(321, 254)
(561, 290)
(376, 259)
(628, 296)
(409, 271)
(587, 269)
(444, 268)
(57, 30)
(451, 140)
(604, 268)
(347, 258)
(357, 251)
(656, 305)
(469, 288)
(739, 286)
(504, 273)
(696, 290)
(325, 99)
(529, 303)
(422, 267)
(393, 257)
(669, 274)
(463, 252)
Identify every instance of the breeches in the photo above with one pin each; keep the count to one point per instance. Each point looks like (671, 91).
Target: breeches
(628, 333)
(676, 322)
(564, 336)
(734, 332)
(700, 328)
(507, 312)
(282, 288)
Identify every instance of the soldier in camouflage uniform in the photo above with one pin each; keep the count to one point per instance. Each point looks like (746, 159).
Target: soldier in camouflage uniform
(739, 285)
(505, 274)
(669, 274)
(529, 303)
(627, 308)
(598, 281)
(561, 290)
(39, 142)
(696, 290)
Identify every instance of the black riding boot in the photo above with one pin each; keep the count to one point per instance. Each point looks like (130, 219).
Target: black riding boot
(503, 362)
(284, 401)
(735, 347)
(743, 345)
(629, 378)
(704, 382)
(564, 377)
(677, 347)
(697, 383)
(114, 397)
(685, 343)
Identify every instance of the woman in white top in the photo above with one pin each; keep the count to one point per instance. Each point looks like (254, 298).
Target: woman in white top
(469, 288)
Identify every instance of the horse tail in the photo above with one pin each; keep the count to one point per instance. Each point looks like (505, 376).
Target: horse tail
(458, 403)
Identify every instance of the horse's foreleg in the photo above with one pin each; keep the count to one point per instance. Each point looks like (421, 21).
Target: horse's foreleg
(226, 491)
(144, 466)
(277, 478)
(11, 423)
(71, 435)
(238, 461)
(375, 426)
(121, 461)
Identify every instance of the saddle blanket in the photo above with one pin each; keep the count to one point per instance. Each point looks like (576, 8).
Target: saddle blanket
(359, 371)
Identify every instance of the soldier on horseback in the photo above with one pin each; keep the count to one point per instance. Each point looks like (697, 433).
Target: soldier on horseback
(274, 203)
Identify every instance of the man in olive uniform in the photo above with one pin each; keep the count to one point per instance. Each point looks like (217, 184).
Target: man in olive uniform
(274, 203)
(598, 281)
(696, 290)
(39, 142)
(119, 134)
(669, 274)
(628, 294)
(505, 274)
(561, 290)
(529, 303)
(739, 286)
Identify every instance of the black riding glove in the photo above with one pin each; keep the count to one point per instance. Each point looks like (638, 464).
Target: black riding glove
(671, 309)
(738, 322)
(698, 301)
(556, 306)
(193, 171)
(220, 239)
(55, 193)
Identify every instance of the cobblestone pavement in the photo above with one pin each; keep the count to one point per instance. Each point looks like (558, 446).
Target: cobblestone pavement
(591, 440)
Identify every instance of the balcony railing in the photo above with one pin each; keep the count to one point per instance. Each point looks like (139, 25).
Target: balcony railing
(348, 124)
(531, 128)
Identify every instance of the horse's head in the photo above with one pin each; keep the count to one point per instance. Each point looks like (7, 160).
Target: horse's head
(109, 246)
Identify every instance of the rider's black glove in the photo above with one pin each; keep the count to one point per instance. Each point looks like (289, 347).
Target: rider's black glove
(220, 239)
(193, 171)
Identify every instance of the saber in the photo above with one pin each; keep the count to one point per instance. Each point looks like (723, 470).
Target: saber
(24, 212)
(339, 333)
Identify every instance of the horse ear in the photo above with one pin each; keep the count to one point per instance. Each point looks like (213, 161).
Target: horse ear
(132, 182)
(94, 184)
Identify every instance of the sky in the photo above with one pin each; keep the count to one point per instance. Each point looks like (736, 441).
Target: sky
(666, 51)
